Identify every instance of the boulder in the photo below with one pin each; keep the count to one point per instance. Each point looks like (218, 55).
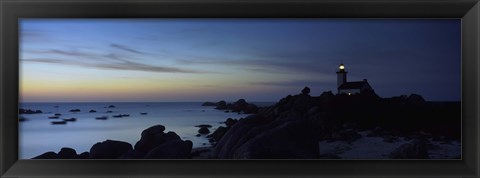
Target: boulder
(173, 149)
(203, 130)
(154, 136)
(150, 138)
(151, 131)
(256, 137)
(218, 134)
(290, 140)
(67, 153)
(306, 91)
(74, 110)
(47, 155)
(109, 149)
(170, 136)
(229, 122)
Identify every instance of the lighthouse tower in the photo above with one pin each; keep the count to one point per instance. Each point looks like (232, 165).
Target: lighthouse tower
(341, 75)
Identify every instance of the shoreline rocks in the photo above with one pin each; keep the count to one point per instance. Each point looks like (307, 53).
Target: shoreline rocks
(153, 144)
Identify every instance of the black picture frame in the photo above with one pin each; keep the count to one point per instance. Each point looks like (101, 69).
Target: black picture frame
(11, 11)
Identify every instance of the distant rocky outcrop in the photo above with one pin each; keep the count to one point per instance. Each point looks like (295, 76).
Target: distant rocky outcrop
(240, 106)
(74, 110)
(29, 111)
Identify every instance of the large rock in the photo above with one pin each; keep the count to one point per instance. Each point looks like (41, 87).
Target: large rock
(150, 138)
(306, 91)
(47, 155)
(67, 153)
(173, 149)
(203, 130)
(109, 149)
(416, 149)
(151, 131)
(259, 138)
(218, 134)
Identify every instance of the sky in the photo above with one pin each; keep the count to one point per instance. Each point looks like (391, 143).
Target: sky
(168, 60)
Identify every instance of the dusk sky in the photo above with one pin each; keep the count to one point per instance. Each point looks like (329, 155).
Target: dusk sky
(83, 60)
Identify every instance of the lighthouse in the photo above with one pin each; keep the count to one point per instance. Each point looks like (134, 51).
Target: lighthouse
(350, 88)
(341, 75)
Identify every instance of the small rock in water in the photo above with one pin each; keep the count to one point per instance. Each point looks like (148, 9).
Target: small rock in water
(203, 130)
(204, 125)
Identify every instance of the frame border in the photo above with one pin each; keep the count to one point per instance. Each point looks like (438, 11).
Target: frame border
(12, 10)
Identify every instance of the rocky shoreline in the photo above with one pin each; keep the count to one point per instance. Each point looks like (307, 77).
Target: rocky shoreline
(307, 127)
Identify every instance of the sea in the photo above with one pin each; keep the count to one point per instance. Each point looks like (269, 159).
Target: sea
(38, 135)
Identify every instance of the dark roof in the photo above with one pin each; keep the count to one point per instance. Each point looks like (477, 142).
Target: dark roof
(353, 85)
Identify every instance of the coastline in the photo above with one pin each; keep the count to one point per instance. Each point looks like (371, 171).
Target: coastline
(308, 127)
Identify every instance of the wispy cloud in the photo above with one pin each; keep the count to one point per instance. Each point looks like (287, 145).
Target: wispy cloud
(294, 83)
(126, 48)
(127, 65)
(108, 61)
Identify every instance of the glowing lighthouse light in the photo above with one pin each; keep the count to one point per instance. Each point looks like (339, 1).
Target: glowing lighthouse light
(341, 67)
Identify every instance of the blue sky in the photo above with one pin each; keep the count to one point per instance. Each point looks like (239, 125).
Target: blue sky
(255, 59)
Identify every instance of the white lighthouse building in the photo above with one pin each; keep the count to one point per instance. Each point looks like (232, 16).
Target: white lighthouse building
(350, 88)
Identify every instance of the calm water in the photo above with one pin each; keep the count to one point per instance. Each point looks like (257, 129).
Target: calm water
(38, 135)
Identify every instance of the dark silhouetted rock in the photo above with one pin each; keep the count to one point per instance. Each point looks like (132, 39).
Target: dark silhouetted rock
(203, 130)
(84, 155)
(111, 106)
(306, 91)
(173, 149)
(74, 110)
(47, 155)
(221, 105)
(154, 136)
(256, 137)
(204, 125)
(416, 149)
(109, 149)
(92, 111)
(239, 106)
(209, 104)
(151, 131)
(218, 134)
(229, 122)
(67, 153)
(29, 111)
